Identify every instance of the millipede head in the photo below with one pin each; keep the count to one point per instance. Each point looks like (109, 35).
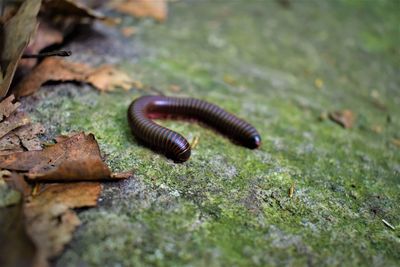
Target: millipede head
(254, 141)
(184, 155)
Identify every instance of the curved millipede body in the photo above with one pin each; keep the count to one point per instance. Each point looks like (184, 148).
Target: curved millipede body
(143, 109)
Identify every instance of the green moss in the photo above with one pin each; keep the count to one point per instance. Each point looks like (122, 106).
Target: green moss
(229, 206)
(8, 196)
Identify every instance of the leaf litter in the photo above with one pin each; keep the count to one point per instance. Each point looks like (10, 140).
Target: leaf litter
(43, 186)
(17, 133)
(103, 78)
(47, 220)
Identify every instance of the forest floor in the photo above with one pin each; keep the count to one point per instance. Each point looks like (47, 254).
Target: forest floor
(283, 69)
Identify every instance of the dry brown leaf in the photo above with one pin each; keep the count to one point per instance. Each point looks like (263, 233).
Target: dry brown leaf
(9, 144)
(12, 122)
(64, 137)
(51, 69)
(122, 175)
(16, 36)
(104, 78)
(58, 18)
(107, 78)
(128, 31)
(73, 8)
(7, 107)
(175, 88)
(28, 136)
(36, 229)
(16, 246)
(49, 218)
(17, 182)
(75, 159)
(16, 132)
(377, 129)
(156, 9)
(396, 142)
(344, 118)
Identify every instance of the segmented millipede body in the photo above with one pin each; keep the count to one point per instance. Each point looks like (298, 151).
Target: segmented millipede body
(143, 109)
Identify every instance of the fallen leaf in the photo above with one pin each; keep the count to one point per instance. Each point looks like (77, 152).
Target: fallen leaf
(174, 88)
(51, 69)
(344, 118)
(12, 122)
(76, 158)
(104, 78)
(16, 132)
(396, 142)
(73, 195)
(377, 129)
(64, 137)
(319, 83)
(156, 9)
(35, 229)
(15, 37)
(16, 182)
(7, 107)
(229, 79)
(122, 175)
(50, 219)
(10, 143)
(16, 246)
(107, 78)
(28, 136)
(72, 8)
(128, 31)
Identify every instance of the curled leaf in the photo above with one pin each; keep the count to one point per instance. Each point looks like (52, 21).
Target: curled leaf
(75, 159)
(344, 118)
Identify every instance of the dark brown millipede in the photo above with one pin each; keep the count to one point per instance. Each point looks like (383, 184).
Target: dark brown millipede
(143, 109)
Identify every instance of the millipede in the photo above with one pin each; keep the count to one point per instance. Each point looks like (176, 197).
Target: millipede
(144, 109)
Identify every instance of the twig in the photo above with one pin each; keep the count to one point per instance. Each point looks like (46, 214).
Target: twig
(61, 53)
(195, 141)
(388, 224)
(291, 190)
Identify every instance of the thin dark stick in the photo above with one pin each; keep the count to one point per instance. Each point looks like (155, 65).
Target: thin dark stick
(61, 53)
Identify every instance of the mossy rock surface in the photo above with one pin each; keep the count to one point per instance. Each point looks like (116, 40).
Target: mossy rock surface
(280, 69)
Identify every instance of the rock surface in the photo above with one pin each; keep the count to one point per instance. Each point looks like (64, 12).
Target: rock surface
(280, 68)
